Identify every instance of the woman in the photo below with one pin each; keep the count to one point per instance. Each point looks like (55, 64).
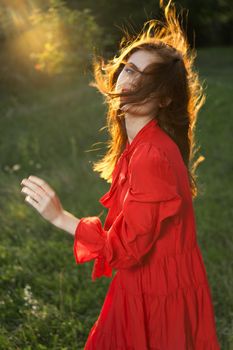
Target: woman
(159, 297)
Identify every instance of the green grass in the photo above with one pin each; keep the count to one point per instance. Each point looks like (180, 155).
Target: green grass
(214, 207)
(46, 300)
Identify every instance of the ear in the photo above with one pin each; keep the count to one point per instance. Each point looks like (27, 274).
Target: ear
(166, 103)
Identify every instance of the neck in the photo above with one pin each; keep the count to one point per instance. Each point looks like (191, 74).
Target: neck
(134, 125)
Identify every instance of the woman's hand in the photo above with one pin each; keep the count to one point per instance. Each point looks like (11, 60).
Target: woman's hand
(43, 198)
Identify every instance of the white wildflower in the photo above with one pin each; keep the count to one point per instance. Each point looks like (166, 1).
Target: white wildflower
(29, 300)
(16, 167)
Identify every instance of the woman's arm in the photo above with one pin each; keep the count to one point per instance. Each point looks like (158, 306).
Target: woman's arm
(66, 222)
(44, 199)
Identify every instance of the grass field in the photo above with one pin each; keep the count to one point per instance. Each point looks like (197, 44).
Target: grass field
(46, 300)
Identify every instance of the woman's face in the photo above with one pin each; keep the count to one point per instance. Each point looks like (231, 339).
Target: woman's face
(129, 77)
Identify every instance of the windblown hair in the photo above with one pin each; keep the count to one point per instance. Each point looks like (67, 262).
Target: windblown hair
(174, 78)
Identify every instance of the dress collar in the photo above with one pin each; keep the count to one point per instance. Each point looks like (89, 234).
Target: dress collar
(121, 168)
(120, 171)
(142, 134)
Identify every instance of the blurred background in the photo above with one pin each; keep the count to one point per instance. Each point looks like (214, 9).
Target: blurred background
(53, 126)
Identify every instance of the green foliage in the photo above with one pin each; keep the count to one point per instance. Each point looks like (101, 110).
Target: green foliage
(67, 37)
(42, 42)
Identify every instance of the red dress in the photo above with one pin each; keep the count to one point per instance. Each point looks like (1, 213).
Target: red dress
(159, 297)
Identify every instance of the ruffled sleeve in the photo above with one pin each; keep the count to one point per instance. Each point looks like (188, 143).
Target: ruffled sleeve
(151, 198)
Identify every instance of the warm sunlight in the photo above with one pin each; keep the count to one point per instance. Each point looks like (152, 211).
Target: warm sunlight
(47, 36)
(38, 35)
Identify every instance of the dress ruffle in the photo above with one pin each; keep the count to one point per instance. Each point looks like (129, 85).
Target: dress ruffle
(118, 177)
(164, 275)
(184, 329)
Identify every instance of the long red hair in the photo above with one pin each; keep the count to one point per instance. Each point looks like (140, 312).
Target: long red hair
(175, 77)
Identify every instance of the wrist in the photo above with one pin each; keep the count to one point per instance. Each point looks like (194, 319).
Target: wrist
(67, 222)
(59, 220)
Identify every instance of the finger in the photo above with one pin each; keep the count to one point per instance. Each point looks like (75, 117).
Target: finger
(34, 187)
(32, 202)
(31, 193)
(42, 184)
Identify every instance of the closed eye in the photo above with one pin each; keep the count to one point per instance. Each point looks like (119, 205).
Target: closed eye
(129, 70)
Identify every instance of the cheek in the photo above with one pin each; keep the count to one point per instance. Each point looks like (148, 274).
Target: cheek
(119, 81)
(122, 80)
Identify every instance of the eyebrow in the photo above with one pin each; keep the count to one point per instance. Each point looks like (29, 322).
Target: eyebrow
(134, 65)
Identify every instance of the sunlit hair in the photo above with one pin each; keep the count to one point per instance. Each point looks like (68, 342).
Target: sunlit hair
(175, 77)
